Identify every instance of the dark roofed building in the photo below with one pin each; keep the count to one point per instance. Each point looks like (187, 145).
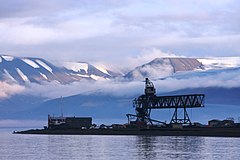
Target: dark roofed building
(69, 122)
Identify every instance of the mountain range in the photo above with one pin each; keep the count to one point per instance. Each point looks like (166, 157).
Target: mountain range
(37, 70)
(217, 77)
(23, 70)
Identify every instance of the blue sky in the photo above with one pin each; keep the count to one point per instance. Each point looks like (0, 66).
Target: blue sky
(113, 30)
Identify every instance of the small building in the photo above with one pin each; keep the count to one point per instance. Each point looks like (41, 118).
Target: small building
(218, 123)
(69, 122)
(214, 123)
(227, 122)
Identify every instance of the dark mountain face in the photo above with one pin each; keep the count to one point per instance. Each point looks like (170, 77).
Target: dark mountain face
(185, 64)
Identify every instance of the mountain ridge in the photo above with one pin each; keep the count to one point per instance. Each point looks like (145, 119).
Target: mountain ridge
(23, 70)
(37, 70)
(163, 67)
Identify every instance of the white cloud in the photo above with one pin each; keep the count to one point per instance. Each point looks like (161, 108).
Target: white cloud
(16, 31)
(8, 90)
(148, 55)
(228, 79)
(53, 90)
(90, 30)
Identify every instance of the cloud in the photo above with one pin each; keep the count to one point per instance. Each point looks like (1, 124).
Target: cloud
(128, 63)
(148, 55)
(112, 30)
(8, 90)
(224, 79)
(109, 87)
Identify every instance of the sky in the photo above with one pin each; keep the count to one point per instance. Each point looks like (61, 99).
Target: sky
(124, 33)
(111, 31)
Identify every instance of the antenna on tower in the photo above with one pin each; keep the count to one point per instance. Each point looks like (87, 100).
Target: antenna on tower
(61, 107)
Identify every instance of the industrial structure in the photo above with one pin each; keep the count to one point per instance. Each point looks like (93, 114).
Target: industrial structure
(142, 124)
(69, 122)
(145, 103)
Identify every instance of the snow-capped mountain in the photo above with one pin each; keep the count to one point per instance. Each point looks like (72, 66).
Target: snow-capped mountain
(163, 67)
(86, 70)
(23, 70)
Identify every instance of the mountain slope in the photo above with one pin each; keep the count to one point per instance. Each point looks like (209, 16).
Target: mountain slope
(24, 70)
(86, 70)
(163, 67)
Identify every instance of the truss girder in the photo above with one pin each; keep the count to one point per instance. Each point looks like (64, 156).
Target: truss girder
(164, 102)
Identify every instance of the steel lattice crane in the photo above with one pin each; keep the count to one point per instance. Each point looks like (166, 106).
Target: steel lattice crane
(145, 103)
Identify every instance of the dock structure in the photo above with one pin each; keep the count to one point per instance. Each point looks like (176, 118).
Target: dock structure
(145, 103)
(142, 124)
(69, 122)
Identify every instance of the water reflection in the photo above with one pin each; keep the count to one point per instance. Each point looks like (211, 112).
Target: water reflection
(30, 147)
(151, 147)
(185, 147)
(72, 147)
(146, 146)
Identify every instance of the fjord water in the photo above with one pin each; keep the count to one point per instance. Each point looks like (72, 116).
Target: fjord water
(31, 147)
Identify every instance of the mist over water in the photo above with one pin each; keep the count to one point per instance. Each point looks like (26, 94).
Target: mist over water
(29, 147)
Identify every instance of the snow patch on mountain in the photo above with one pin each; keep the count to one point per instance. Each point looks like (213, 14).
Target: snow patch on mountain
(95, 77)
(44, 65)
(22, 75)
(102, 70)
(31, 63)
(0, 59)
(80, 75)
(9, 75)
(8, 58)
(44, 76)
(76, 66)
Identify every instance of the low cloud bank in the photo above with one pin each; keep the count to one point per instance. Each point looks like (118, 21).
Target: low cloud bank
(199, 79)
(228, 79)
(8, 90)
(115, 88)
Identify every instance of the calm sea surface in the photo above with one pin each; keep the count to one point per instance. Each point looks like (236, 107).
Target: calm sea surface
(33, 147)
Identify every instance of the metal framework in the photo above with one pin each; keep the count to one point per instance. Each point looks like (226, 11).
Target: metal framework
(145, 103)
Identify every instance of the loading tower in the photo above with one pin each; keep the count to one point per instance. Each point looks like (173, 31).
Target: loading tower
(145, 103)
